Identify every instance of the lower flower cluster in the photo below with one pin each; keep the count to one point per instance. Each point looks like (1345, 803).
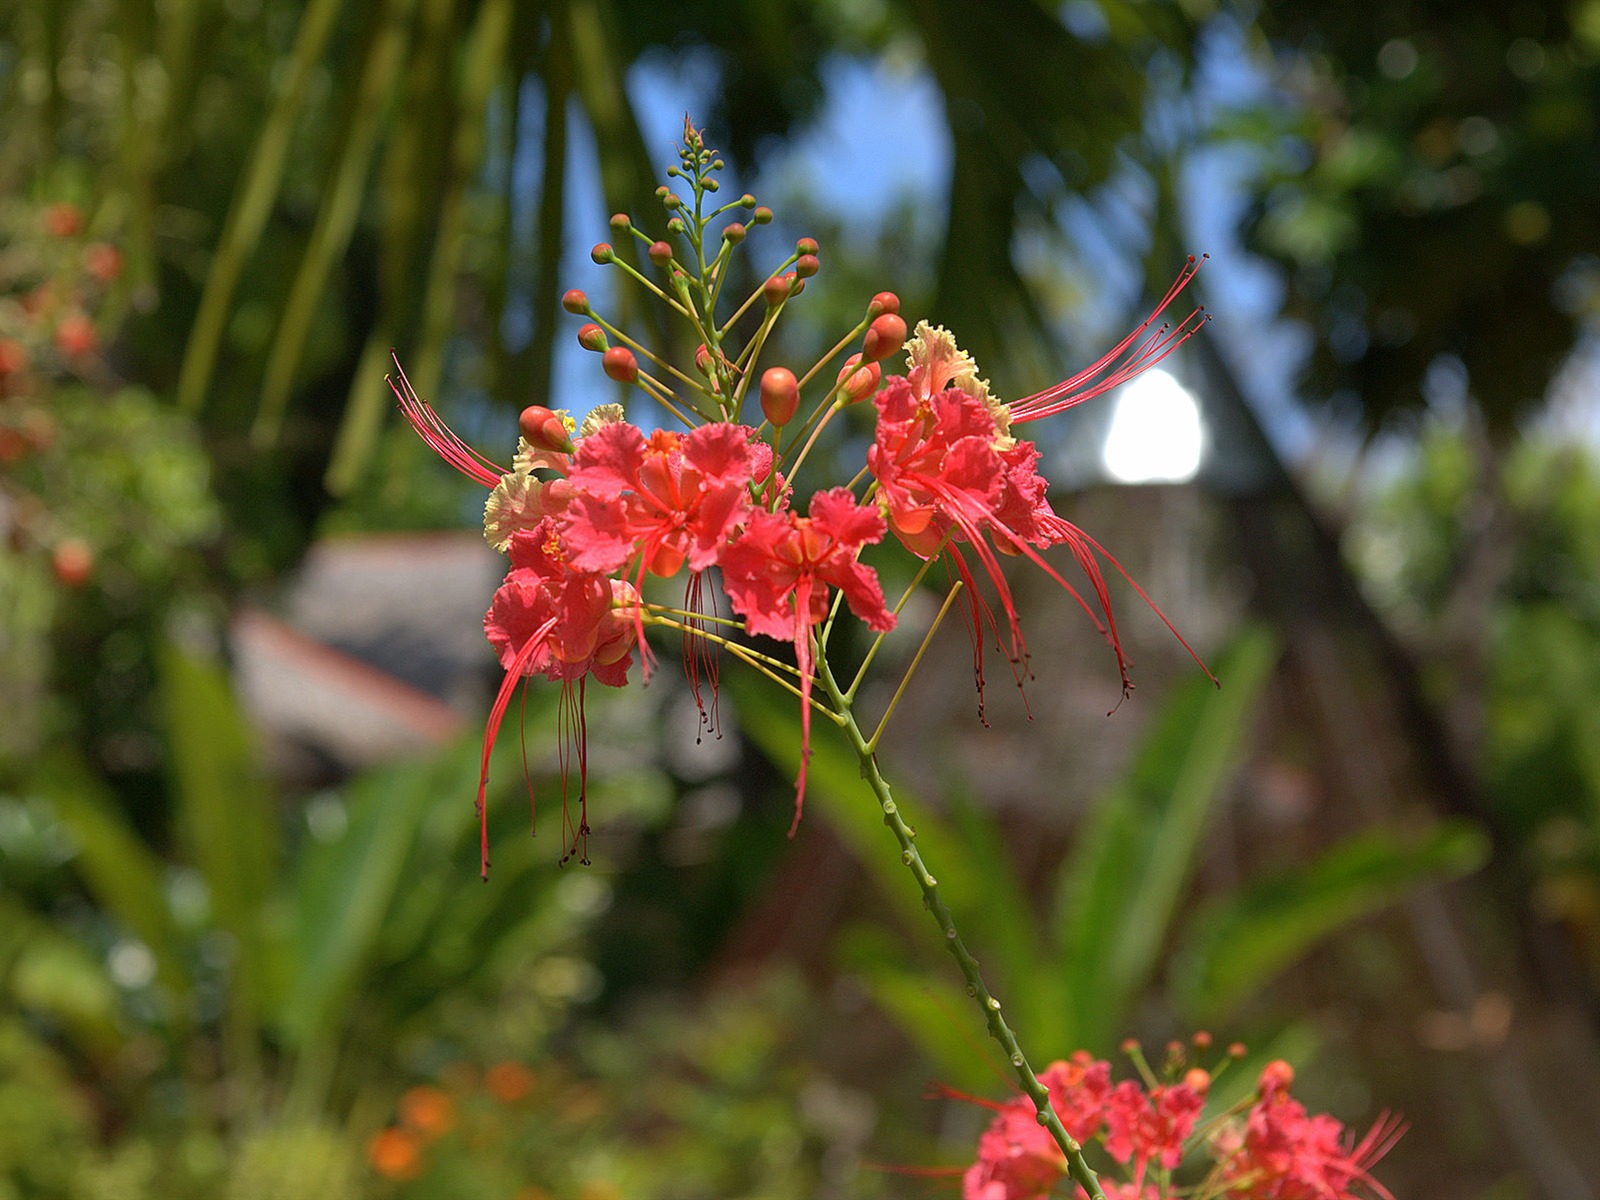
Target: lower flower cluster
(1267, 1147)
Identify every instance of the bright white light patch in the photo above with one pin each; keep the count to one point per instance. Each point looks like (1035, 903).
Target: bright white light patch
(1155, 435)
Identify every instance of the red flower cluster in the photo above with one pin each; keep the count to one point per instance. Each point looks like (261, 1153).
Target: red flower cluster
(640, 504)
(1266, 1149)
(587, 514)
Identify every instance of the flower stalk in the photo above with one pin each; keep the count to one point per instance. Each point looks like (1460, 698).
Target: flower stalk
(1077, 1166)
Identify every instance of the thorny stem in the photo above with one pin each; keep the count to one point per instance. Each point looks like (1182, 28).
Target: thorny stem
(1077, 1166)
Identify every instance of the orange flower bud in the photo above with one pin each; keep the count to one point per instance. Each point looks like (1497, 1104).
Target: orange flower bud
(103, 261)
(883, 302)
(806, 245)
(1276, 1076)
(620, 364)
(602, 253)
(858, 382)
(885, 335)
(394, 1153)
(661, 253)
(1198, 1079)
(621, 222)
(75, 335)
(62, 220)
(13, 357)
(72, 562)
(761, 216)
(575, 301)
(780, 395)
(807, 265)
(592, 337)
(775, 291)
(733, 233)
(545, 430)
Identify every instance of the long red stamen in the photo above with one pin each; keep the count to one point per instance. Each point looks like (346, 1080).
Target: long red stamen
(1139, 351)
(497, 714)
(431, 429)
(574, 741)
(702, 660)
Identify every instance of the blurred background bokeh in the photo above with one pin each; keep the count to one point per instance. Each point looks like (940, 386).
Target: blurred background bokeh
(244, 951)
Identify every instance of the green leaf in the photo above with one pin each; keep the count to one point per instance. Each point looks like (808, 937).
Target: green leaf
(1236, 944)
(345, 887)
(119, 869)
(227, 820)
(252, 204)
(1120, 891)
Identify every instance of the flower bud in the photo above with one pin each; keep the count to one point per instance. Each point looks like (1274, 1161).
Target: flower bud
(545, 430)
(780, 395)
(75, 334)
(661, 253)
(883, 302)
(775, 291)
(13, 357)
(620, 364)
(885, 335)
(1198, 1079)
(676, 227)
(103, 261)
(702, 359)
(807, 265)
(621, 222)
(63, 220)
(603, 253)
(761, 216)
(806, 246)
(574, 300)
(1276, 1076)
(72, 562)
(796, 284)
(857, 382)
(747, 201)
(712, 185)
(733, 233)
(592, 337)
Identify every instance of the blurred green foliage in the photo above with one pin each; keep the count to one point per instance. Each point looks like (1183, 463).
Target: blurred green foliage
(1116, 925)
(1431, 196)
(1540, 754)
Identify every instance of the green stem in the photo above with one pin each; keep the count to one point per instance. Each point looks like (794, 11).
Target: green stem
(1077, 1166)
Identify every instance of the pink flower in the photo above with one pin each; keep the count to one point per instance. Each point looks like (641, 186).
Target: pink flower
(568, 624)
(778, 573)
(951, 477)
(1285, 1154)
(1017, 1157)
(672, 499)
(1079, 1090)
(1144, 1127)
